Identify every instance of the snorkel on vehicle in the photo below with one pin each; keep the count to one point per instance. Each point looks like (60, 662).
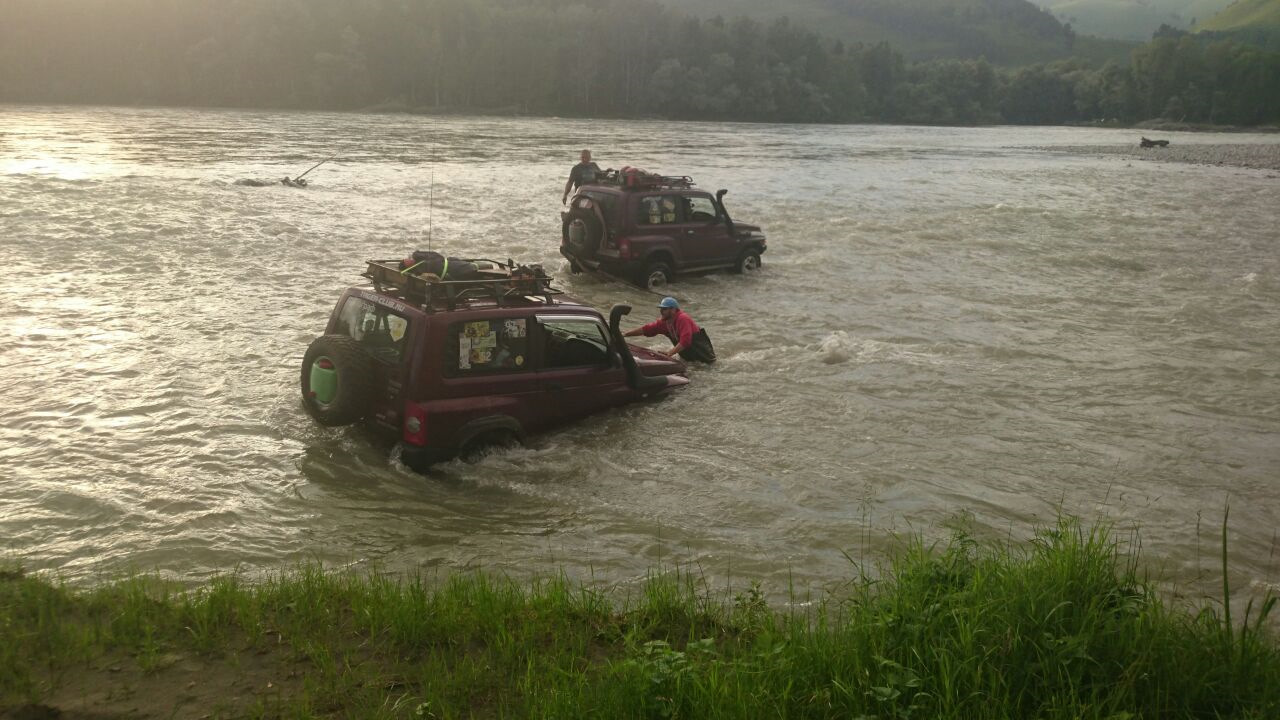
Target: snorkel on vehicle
(635, 379)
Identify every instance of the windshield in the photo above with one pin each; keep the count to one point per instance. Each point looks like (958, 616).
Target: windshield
(381, 331)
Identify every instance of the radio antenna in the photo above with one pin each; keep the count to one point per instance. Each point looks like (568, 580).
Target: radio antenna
(431, 203)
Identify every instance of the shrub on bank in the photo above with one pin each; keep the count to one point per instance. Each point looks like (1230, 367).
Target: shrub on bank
(1062, 627)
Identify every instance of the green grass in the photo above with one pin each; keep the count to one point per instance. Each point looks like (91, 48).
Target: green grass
(1064, 626)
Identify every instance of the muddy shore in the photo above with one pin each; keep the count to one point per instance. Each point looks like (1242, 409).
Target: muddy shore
(1264, 156)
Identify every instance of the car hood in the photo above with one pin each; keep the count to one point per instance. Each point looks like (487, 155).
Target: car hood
(742, 227)
(655, 364)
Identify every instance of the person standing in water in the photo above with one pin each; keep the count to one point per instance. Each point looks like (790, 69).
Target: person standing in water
(688, 340)
(584, 173)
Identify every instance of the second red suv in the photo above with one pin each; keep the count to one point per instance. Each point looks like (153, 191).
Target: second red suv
(650, 228)
(450, 367)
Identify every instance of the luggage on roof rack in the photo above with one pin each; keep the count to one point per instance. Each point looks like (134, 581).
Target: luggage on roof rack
(504, 283)
(633, 178)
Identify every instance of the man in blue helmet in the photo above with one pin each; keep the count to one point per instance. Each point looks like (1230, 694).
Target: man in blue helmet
(688, 340)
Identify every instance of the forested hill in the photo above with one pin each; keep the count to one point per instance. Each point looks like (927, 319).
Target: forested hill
(1005, 32)
(1245, 13)
(1130, 19)
(586, 58)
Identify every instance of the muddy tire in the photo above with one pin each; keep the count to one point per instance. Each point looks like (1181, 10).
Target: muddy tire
(480, 446)
(655, 276)
(583, 232)
(338, 380)
(748, 262)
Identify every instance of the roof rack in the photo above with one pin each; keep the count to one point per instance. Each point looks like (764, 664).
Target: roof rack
(636, 179)
(504, 283)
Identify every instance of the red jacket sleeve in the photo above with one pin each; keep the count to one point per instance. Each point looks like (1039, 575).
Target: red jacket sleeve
(657, 327)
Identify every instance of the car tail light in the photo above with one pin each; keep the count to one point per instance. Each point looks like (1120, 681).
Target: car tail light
(415, 424)
(624, 249)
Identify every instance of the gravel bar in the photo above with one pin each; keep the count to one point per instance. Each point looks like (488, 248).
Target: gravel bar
(1265, 156)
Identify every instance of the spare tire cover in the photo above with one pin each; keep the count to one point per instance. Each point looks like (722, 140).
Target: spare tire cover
(338, 380)
(583, 231)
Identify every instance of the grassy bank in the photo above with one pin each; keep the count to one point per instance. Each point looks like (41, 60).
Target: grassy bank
(1061, 627)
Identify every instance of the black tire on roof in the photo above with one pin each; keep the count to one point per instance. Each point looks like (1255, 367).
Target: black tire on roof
(355, 380)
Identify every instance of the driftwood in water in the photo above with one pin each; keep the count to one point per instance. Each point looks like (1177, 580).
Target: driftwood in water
(264, 183)
(1153, 143)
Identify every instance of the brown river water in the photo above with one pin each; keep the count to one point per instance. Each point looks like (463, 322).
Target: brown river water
(950, 323)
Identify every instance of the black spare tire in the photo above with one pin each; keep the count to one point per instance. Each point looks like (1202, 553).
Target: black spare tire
(338, 380)
(583, 232)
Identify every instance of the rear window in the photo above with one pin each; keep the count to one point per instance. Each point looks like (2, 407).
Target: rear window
(608, 203)
(377, 328)
(488, 346)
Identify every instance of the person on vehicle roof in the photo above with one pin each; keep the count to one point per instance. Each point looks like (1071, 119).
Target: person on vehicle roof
(688, 340)
(584, 173)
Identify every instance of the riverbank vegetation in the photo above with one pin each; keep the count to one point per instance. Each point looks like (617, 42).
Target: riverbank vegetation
(593, 58)
(1064, 626)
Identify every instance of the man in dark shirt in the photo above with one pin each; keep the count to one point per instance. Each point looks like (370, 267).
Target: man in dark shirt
(584, 173)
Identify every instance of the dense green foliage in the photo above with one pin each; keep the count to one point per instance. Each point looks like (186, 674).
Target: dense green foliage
(1063, 627)
(1005, 32)
(620, 58)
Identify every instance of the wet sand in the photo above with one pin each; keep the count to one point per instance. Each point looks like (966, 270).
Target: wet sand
(1265, 156)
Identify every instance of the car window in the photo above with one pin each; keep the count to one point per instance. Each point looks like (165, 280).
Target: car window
(375, 327)
(608, 206)
(699, 209)
(568, 342)
(488, 346)
(658, 210)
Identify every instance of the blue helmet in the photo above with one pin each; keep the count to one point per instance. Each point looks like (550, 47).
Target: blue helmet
(669, 302)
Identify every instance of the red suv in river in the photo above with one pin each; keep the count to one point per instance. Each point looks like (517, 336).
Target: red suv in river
(451, 367)
(650, 228)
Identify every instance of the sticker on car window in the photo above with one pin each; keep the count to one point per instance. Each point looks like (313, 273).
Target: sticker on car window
(477, 329)
(513, 328)
(464, 353)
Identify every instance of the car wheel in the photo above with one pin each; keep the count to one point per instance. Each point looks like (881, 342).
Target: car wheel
(478, 447)
(337, 380)
(656, 275)
(748, 262)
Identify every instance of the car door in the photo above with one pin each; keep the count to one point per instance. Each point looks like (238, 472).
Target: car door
(488, 373)
(577, 372)
(705, 239)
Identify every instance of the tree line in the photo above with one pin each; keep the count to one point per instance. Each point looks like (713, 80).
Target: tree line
(598, 58)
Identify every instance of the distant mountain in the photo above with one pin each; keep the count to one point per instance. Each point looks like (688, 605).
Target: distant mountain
(1255, 22)
(1130, 19)
(1005, 32)
(1244, 14)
